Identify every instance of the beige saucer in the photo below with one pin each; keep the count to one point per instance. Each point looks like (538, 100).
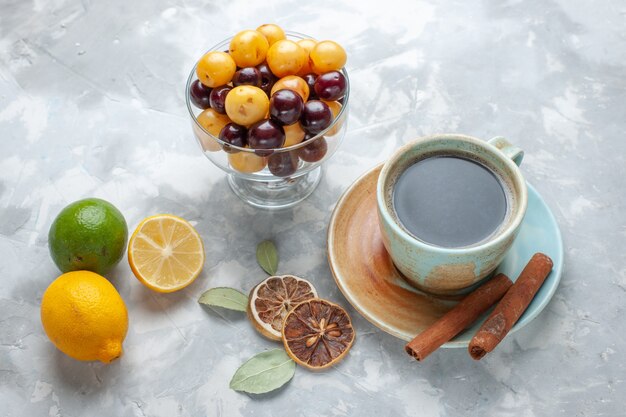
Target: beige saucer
(364, 271)
(368, 279)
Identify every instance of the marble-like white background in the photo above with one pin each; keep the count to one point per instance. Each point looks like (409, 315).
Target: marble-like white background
(91, 104)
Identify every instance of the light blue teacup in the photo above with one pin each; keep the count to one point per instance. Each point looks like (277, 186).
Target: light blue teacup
(441, 270)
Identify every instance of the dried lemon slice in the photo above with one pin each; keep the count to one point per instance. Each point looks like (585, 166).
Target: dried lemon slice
(165, 253)
(273, 298)
(317, 333)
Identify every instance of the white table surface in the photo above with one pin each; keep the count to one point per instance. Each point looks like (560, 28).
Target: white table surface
(91, 104)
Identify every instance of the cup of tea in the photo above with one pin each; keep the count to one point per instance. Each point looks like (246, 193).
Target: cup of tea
(450, 207)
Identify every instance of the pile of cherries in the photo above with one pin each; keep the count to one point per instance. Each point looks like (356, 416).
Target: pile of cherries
(268, 92)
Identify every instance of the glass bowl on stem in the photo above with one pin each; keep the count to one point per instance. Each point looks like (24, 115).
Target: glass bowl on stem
(272, 178)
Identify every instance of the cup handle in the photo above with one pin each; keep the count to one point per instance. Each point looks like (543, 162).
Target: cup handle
(504, 146)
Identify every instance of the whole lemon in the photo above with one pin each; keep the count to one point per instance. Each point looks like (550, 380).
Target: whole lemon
(84, 316)
(88, 234)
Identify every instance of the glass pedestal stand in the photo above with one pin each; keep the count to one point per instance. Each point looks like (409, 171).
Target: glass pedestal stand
(275, 194)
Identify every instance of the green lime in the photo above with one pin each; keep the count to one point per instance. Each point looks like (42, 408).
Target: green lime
(88, 234)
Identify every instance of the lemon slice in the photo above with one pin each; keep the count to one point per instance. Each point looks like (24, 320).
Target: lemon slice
(271, 300)
(165, 253)
(317, 333)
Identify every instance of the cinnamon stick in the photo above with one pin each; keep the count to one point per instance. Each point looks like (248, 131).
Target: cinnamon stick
(457, 319)
(511, 307)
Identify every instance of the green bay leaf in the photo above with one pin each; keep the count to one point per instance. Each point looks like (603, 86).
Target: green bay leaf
(264, 372)
(267, 256)
(225, 297)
